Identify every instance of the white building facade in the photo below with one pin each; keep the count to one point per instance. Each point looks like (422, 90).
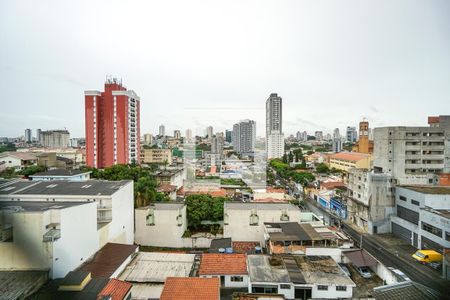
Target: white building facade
(274, 130)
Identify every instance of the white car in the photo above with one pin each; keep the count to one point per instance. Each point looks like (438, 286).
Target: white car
(346, 270)
(364, 271)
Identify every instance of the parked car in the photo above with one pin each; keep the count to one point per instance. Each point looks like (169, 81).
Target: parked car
(364, 271)
(346, 270)
(436, 265)
(427, 256)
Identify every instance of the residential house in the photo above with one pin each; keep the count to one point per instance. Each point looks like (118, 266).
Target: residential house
(231, 268)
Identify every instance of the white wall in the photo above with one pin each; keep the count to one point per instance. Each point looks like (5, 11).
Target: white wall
(229, 283)
(239, 228)
(79, 239)
(287, 293)
(165, 232)
(334, 253)
(331, 293)
(121, 228)
(11, 162)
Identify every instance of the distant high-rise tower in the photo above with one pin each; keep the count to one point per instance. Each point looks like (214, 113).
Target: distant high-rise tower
(337, 142)
(228, 134)
(188, 137)
(38, 135)
(177, 134)
(244, 136)
(209, 132)
(162, 130)
(217, 144)
(318, 135)
(112, 126)
(28, 136)
(274, 122)
(351, 134)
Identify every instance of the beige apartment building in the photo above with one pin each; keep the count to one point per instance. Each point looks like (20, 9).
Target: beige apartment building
(347, 160)
(156, 156)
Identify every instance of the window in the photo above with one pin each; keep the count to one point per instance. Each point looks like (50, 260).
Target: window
(402, 198)
(285, 287)
(415, 202)
(341, 288)
(408, 214)
(322, 287)
(237, 278)
(447, 236)
(431, 229)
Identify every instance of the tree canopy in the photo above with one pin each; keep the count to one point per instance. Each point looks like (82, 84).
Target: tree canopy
(204, 208)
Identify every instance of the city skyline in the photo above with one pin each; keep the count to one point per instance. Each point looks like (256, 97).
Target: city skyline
(318, 56)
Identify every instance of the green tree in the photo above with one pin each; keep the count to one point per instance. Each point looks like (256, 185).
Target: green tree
(31, 170)
(8, 173)
(290, 156)
(285, 158)
(322, 168)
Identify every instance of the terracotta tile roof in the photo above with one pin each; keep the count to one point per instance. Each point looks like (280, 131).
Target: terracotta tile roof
(116, 289)
(274, 190)
(332, 184)
(223, 264)
(106, 261)
(349, 156)
(191, 288)
(244, 247)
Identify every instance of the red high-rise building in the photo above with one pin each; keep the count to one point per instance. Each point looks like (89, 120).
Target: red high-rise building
(112, 121)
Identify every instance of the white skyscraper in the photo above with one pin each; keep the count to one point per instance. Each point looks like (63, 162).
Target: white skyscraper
(188, 135)
(209, 132)
(28, 136)
(162, 130)
(274, 131)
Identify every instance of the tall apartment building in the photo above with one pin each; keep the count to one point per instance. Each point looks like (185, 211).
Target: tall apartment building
(188, 137)
(244, 136)
(217, 144)
(274, 130)
(318, 135)
(351, 134)
(337, 142)
(38, 135)
(162, 130)
(28, 136)
(177, 134)
(112, 125)
(228, 134)
(413, 154)
(209, 132)
(55, 138)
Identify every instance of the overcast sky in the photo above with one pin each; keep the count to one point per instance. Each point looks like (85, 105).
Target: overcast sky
(199, 63)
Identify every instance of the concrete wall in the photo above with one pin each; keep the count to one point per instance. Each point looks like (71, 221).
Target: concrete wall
(78, 241)
(121, 228)
(287, 293)
(165, 232)
(239, 228)
(331, 293)
(334, 253)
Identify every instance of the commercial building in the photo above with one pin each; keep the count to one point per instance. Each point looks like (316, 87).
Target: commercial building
(274, 130)
(161, 225)
(28, 136)
(410, 154)
(156, 156)
(370, 200)
(228, 134)
(347, 160)
(231, 268)
(245, 221)
(114, 203)
(55, 138)
(112, 121)
(244, 137)
(422, 216)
